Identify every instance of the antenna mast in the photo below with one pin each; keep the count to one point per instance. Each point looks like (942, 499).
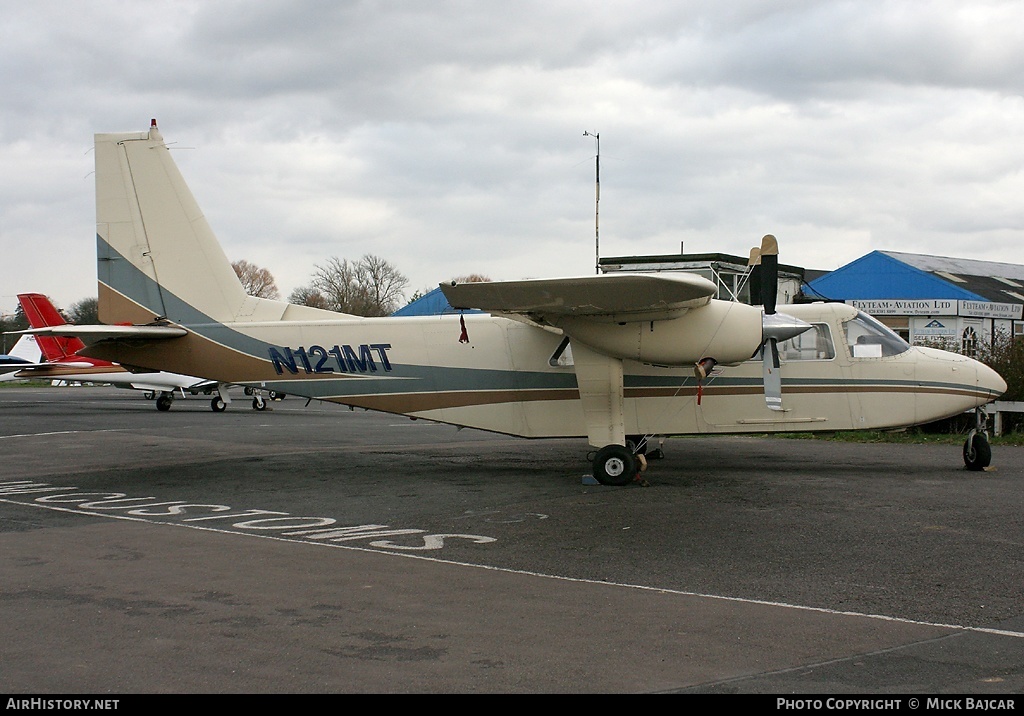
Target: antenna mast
(597, 201)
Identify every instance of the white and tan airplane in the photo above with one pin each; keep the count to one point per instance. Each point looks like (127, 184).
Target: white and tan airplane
(614, 358)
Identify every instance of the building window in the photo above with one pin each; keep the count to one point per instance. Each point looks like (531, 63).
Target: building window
(969, 342)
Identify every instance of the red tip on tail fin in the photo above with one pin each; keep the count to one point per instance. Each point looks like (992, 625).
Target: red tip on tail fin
(41, 313)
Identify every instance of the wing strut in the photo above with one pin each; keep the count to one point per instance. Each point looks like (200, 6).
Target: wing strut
(600, 382)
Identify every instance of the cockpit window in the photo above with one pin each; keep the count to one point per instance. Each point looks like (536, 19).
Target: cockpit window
(869, 338)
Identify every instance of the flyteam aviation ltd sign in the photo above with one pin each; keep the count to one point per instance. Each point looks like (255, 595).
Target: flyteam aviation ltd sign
(939, 307)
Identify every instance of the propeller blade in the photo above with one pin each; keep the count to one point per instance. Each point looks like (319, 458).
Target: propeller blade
(775, 327)
(769, 273)
(755, 274)
(772, 375)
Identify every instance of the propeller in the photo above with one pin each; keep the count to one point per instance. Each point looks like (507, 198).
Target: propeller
(775, 327)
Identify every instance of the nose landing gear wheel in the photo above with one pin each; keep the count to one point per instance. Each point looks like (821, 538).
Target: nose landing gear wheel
(977, 452)
(615, 465)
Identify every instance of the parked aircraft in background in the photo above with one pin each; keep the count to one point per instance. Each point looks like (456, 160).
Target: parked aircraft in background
(24, 353)
(614, 358)
(61, 362)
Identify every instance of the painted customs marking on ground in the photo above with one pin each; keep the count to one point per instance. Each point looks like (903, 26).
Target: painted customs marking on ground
(322, 531)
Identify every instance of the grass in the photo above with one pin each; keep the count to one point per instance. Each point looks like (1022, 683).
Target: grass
(24, 384)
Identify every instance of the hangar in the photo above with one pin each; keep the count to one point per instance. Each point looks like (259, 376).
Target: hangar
(956, 304)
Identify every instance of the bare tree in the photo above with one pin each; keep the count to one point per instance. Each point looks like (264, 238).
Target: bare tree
(256, 281)
(472, 278)
(368, 287)
(308, 296)
(386, 284)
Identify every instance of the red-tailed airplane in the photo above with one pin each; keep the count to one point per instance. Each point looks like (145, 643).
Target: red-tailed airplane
(60, 361)
(613, 358)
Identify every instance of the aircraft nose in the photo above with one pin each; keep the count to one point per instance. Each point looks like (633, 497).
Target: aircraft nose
(990, 381)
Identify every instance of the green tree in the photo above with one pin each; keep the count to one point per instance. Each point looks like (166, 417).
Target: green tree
(84, 312)
(11, 322)
(1005, 355)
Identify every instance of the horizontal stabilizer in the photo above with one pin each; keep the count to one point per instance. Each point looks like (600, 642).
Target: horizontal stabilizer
(95, 334)
(30, 368)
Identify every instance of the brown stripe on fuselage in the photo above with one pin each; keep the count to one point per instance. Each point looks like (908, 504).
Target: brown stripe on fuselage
(189, 355)
(420, 402)
(117, 309)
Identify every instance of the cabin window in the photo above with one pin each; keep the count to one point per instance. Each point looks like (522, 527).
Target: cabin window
(813, 344)
(866, 337)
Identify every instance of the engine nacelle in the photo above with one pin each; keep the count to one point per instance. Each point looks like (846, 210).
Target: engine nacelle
(727, 331)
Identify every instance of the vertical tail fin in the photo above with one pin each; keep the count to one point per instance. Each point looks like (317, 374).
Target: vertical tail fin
(156, 255)
(41, 313)
(27, 349)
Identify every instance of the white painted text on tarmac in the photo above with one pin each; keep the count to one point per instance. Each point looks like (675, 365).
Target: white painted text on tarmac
(318, 530)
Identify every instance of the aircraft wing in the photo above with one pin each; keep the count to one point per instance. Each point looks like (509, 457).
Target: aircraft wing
(164, 381)
(617, 297)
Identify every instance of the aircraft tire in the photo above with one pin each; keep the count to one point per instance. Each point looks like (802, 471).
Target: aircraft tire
(218, 405)
(274, 395)
(163, 403)
(615, 465)
(258, 403)
(977, 452)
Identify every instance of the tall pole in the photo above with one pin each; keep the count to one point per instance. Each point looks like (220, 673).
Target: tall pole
(597, 201)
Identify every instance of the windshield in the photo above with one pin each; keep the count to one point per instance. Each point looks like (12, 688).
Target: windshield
(869, 338)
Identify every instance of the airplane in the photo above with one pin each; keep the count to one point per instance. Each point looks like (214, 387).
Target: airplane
(61, 362)
(615, 358)
(24, 352)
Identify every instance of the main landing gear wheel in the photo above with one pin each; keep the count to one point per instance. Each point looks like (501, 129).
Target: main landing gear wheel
(218, 405)
(163, 403)
(259, 403)
(977, 452)
(615, 465)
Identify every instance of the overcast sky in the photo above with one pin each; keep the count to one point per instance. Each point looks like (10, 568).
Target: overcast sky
(448, 137)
